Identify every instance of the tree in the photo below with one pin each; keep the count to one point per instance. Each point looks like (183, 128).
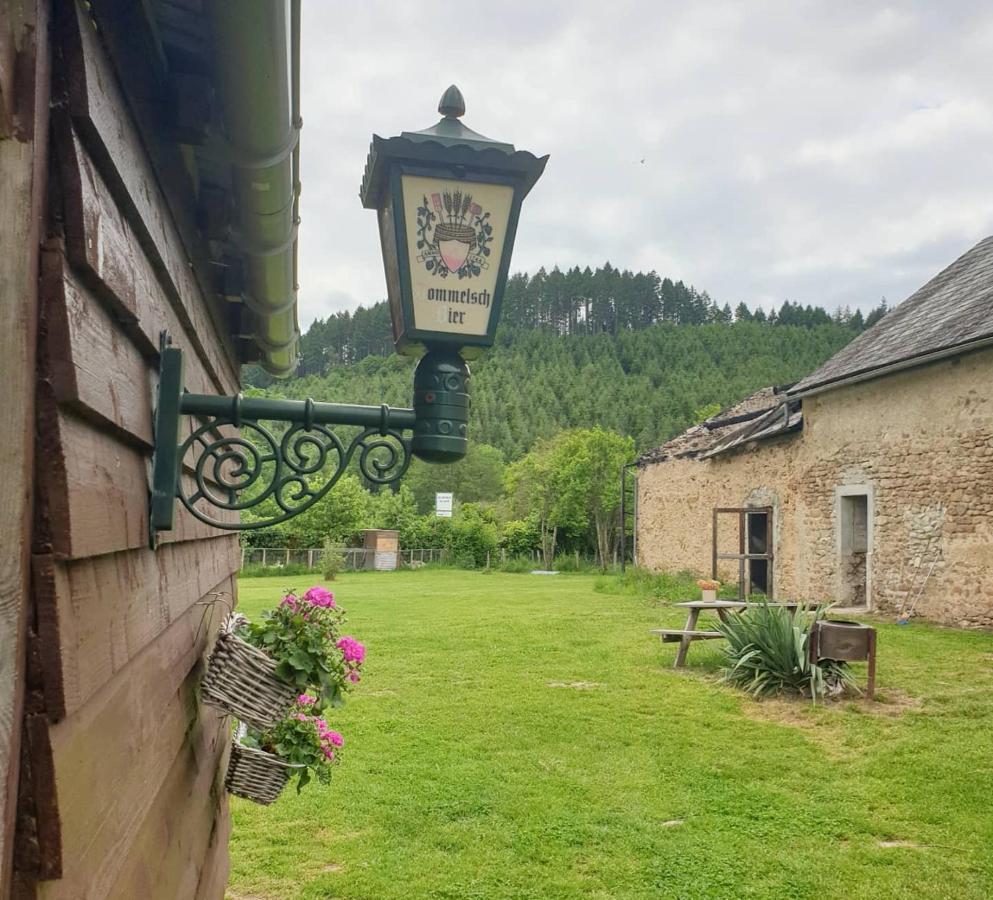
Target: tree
(340, 515)
(588, 464)
(476, 477)
(535, 487)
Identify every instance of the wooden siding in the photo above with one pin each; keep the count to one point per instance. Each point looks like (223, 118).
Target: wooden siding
(128, 759)
(24, 72)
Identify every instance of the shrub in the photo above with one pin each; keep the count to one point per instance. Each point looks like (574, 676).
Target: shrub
(520, 537)
(518, 565)
(332, 560)
(568, 562)
(646, 583)
(766, 654)
(254, 570)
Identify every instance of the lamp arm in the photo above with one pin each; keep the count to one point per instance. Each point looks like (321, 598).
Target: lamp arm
(231, 462)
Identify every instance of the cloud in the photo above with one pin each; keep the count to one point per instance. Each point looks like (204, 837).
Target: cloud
(824, 153)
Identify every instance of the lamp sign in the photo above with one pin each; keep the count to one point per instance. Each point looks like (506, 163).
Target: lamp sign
(448, 201)
(456, 242)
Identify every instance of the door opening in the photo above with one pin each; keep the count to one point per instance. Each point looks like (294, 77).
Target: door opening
(758, 544)
(853, 548)
(751, 531)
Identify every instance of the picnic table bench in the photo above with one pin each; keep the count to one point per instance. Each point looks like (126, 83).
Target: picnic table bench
(689, 632)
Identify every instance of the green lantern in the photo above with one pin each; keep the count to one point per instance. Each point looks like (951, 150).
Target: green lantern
(448, 201)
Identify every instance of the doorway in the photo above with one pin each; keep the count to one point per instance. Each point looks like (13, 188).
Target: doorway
(758, 546)
(750, 533)
(853, 549)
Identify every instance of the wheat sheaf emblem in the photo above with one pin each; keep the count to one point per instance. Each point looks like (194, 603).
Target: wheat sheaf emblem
(453, 234)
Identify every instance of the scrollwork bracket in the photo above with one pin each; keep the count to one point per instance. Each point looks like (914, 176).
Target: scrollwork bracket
(230, 462)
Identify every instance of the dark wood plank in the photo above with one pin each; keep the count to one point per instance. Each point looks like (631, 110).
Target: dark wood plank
(8, 61)
(24, 95)
(168, 852)
(114, 755)
(46, 613)
(95, 369)
(101, 113)
(217, 863)
(112, 607)
(103, 247)
(99, 486)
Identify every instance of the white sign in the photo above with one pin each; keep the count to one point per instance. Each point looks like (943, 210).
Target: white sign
(443, 505)
(455, 236)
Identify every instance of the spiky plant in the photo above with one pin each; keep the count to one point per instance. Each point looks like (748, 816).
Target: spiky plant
(766, 654)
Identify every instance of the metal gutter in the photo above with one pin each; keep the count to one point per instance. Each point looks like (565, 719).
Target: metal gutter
(901, 365)
(258, 73)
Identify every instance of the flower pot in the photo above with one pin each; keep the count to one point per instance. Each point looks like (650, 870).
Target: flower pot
(256, 775)
(709, 594)
(242, 680)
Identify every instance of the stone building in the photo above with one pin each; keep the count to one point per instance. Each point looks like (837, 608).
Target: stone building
(868, 483)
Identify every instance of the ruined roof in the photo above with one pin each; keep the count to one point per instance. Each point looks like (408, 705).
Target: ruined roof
(703, 438)
(952, 311)
(785, 417)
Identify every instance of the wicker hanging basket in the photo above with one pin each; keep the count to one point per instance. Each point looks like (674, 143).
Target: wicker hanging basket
(255, 774)
(242, 680)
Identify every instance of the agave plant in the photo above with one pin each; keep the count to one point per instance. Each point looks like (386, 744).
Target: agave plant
(766, 654)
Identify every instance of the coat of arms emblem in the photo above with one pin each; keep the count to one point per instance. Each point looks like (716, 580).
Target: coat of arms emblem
(453, 234)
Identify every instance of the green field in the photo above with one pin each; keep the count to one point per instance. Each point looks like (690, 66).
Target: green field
(520, 736)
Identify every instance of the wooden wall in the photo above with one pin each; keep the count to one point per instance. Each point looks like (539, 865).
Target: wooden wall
(126, 798)
(24, 68)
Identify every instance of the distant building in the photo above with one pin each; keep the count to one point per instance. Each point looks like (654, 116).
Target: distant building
(869, 482)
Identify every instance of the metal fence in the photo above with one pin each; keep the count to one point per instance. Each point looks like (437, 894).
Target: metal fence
(354, 557)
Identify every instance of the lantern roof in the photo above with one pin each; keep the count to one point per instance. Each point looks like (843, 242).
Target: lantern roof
(450, 142)
(449, 131)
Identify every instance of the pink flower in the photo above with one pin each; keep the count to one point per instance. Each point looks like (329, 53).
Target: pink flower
(300, 717)
(351, 649)
(289, 600)
(354, 677)
(329, 753)
(335, 738)
(322, 726)
(318, 596)
(306, 700)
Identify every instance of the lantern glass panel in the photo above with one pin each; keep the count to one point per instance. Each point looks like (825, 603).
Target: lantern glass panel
(455, 232)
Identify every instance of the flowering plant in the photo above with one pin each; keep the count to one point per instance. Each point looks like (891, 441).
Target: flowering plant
(303, 738)
(353, 654)
(707, 584)
(303, 636)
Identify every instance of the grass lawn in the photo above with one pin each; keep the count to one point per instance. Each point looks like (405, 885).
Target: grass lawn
(520, 736)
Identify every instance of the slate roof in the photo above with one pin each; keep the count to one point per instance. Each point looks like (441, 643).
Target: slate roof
(953, 309)
(718, 429)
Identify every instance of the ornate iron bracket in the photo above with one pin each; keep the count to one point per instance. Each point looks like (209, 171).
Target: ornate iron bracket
(236, 463)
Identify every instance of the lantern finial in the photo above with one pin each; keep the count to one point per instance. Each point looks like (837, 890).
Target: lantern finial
(452, 103)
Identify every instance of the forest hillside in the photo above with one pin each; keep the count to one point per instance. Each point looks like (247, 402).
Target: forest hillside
(631, 352)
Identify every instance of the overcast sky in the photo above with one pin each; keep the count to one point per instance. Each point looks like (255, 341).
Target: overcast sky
(826, 153)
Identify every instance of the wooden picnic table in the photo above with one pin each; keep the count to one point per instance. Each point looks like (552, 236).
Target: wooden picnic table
(689, 632)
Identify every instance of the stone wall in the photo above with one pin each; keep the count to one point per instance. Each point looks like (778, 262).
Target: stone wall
(918, 444)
